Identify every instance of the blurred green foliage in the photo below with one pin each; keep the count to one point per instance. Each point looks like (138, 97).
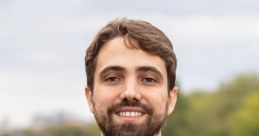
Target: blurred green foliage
(230, 110)
(62, 130)
(245, 121)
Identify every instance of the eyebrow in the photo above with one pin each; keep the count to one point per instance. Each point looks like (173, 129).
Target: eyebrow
(139, 69)
(150, 69)
(112, 68)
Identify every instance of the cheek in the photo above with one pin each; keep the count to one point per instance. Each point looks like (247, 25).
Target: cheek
(157, 98)
(104, 97)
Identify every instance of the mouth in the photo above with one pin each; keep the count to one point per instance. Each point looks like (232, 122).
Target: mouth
(130, 114)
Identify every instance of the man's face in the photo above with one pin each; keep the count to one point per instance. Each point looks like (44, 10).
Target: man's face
(130, 95)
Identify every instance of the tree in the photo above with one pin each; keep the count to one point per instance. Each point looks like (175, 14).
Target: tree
(177, 123)
(245, 121)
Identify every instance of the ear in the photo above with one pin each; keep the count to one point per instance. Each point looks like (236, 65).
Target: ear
(172, 98)
(89, 97)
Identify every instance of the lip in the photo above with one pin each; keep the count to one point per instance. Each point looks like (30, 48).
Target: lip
(129, 114)
(128, 108)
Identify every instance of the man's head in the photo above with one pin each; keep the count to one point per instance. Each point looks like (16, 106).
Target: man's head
(130, 68)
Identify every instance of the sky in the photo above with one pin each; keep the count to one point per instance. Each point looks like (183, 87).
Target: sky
(43, 43)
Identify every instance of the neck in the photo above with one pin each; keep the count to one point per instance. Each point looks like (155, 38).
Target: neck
(159, 134)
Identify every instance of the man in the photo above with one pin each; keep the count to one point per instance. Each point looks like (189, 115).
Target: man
(130, 68)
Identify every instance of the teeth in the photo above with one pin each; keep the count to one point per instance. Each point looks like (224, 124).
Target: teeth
(129, 114)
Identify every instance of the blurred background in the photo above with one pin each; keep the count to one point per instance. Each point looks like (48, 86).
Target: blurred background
(42, 77)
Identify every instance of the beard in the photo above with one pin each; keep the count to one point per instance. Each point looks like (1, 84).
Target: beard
(150, 127)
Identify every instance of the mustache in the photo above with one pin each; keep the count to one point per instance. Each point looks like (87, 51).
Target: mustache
(130, 103)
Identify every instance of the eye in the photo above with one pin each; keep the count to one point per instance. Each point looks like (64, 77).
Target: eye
(112, 80)
(149, 80)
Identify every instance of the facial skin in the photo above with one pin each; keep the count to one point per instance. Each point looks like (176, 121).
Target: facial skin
(130, 95)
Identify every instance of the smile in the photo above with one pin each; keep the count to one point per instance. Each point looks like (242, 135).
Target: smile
(129, 114)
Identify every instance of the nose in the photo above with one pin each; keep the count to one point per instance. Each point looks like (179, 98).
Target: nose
(130, 90)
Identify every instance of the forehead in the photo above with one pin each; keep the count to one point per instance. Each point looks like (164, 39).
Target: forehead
(115, 53)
